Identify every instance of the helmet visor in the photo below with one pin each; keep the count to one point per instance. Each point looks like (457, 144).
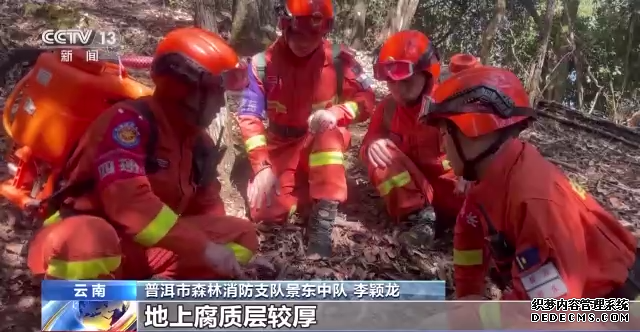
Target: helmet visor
(232, 79)
(396, 70)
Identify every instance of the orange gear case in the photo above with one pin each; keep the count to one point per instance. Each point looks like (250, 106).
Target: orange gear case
(47, 113)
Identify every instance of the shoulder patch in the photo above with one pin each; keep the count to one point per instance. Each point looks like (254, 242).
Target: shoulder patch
(126, 134)
(527, 259)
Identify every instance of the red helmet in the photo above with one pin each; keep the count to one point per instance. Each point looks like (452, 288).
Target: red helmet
(478, 101)
(403, 54)
(191, 57)
(313, 17)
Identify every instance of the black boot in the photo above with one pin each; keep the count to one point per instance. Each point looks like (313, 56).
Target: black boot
(320, 226)
(422, 232)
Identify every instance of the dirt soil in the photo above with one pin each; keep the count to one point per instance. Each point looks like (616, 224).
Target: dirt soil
(365, 245)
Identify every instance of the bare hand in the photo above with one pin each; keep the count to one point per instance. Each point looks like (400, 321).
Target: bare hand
(262, 188)
(378, 153)
(223, 260)
(322, 120)
(462, 186)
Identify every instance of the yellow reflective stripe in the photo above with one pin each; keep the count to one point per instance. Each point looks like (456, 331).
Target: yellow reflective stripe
(396, 181)
(255, 142)
(54, 218)
(83, 270)
(490, 315)
(292, 211)
(157, 228)
(577, 188)
(467, 257)
(326, 158)
(446, 164)
(243, 255)
(352, 108)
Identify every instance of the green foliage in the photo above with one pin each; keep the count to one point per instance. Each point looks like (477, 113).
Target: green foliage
(601, 31)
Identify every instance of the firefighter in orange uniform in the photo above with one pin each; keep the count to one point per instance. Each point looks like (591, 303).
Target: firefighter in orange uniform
(546, 237)
(141, 198)
(404, 158)
(309, 90)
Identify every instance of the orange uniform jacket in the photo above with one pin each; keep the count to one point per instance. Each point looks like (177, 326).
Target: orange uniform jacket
(293, 89)
(421, 143)
(564, 244)
(426, 178)
(153, 209)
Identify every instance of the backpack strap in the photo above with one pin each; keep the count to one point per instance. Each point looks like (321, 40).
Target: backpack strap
(338, 65)
(388, 111)
(206, 159)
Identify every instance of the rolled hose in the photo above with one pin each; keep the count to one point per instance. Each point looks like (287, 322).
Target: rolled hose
(136, 61)
(133, 61)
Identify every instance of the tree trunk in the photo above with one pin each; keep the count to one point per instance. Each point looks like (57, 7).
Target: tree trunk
(563, 47)
(253, 26)
(634, 12)
(490, 32)
(357, 30)
(204, 15)
(578, 62)
(535, 70)
(220, 129)
(398, 19)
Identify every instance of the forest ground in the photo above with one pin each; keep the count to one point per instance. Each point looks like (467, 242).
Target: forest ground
(365, 243)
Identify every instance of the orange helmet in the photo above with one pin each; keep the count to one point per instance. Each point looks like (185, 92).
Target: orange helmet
(307, 16)
(479, 101)
(192, 57)
(403, 54)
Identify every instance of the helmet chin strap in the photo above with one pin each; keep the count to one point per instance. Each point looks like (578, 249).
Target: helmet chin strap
(469, 171)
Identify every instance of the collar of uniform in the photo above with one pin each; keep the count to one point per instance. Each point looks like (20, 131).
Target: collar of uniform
(500, 166)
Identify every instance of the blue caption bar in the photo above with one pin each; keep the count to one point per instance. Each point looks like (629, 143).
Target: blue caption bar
(68, 290)
(311, 290)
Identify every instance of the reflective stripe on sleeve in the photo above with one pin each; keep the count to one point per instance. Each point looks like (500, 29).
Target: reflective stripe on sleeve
(243, 255)
(352, 108)
(326, 158)
(467, 257)
(157, 228)
(446, 165)
(54, 218)
(83, 270)
(396, 181)
(255, 142)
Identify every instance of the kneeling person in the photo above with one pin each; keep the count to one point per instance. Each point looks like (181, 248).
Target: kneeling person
(149, 204)
(404, 157)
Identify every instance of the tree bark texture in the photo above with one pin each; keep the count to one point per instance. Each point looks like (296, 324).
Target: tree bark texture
(220, 129)
(489, 33)
(535, 70)
(357, 30)
(399, 18)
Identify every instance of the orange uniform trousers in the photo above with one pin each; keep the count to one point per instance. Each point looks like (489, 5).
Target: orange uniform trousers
(73, 247)
(308, 168)
(406, 188)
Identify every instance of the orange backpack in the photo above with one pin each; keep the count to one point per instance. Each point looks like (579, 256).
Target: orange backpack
(48, 111)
